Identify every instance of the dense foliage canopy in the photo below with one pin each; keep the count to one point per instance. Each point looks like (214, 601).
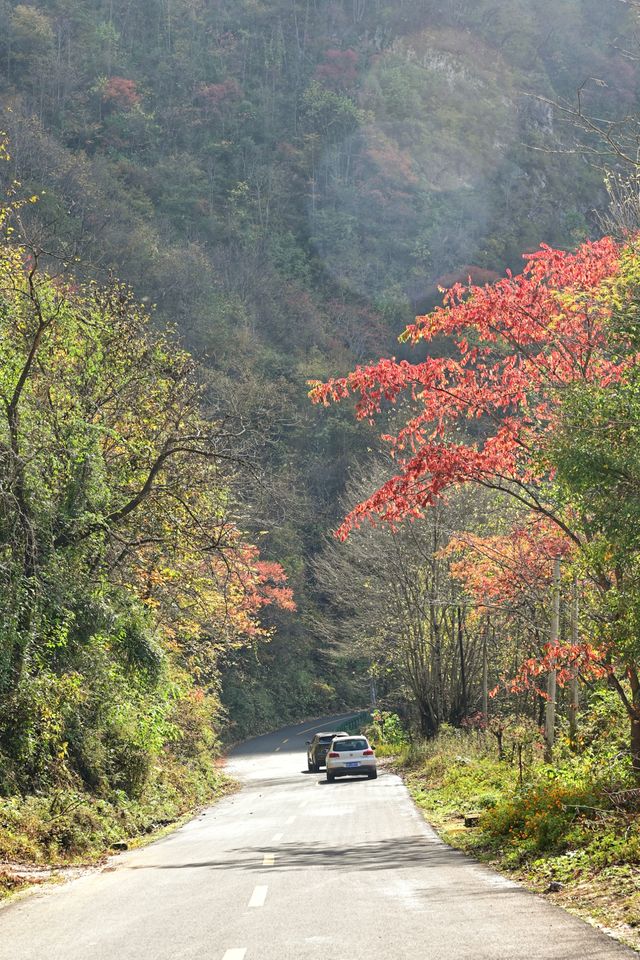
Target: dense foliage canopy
(288, 183)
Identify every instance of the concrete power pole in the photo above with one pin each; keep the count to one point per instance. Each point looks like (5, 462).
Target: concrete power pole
(574, 689)
(550, 708)
(485, 674)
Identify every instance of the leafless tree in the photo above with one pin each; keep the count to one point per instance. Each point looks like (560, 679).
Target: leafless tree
(390, 594)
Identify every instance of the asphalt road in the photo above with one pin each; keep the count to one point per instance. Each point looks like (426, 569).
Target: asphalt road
(293, 867)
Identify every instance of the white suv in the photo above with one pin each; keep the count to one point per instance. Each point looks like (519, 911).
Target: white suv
(350, 755)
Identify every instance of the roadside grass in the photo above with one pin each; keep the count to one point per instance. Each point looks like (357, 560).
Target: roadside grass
(574, 825)
(70, 827)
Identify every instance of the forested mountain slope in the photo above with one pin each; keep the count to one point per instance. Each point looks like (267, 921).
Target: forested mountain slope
(288, 182)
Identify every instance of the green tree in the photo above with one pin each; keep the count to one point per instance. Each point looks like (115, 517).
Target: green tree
(596, 454)
(120, 559)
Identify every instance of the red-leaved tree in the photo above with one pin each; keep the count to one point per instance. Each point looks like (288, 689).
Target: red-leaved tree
(339, 69)
(119, 93)
(480, 414)
(510, 574)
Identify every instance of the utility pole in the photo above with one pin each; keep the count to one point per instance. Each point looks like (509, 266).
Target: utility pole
(463, 672)
(574, 689)
(550, 707)
(485, 673)
(373, 692)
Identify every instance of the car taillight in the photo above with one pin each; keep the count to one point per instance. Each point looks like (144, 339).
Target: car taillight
(367, 753)
(333, 754)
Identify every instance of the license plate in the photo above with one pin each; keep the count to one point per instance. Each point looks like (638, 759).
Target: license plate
(353, 763)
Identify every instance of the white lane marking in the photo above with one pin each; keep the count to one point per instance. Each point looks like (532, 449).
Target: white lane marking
(258, 896)
(238, 953)
(286, 741)
(276, 838)
(289, 819)
(303, 804)
(268, 860)
(277, 749)
(404, 892)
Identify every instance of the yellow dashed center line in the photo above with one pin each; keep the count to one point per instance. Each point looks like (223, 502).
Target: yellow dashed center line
(268, 860)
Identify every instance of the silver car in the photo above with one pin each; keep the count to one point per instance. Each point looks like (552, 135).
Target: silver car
(351, 755)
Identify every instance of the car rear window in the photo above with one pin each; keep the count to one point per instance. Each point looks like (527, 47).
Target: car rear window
(357, 743)
(325, 739)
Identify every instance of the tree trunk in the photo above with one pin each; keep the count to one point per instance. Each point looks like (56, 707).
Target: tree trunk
(635, 745)
(429, 724)
(634, 682)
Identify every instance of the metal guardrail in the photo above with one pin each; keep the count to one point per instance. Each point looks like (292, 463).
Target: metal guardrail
(356, 723)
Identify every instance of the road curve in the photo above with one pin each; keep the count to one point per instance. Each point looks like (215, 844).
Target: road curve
(293, 867)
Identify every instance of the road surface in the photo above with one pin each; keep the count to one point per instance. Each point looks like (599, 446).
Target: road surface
(292, 868)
